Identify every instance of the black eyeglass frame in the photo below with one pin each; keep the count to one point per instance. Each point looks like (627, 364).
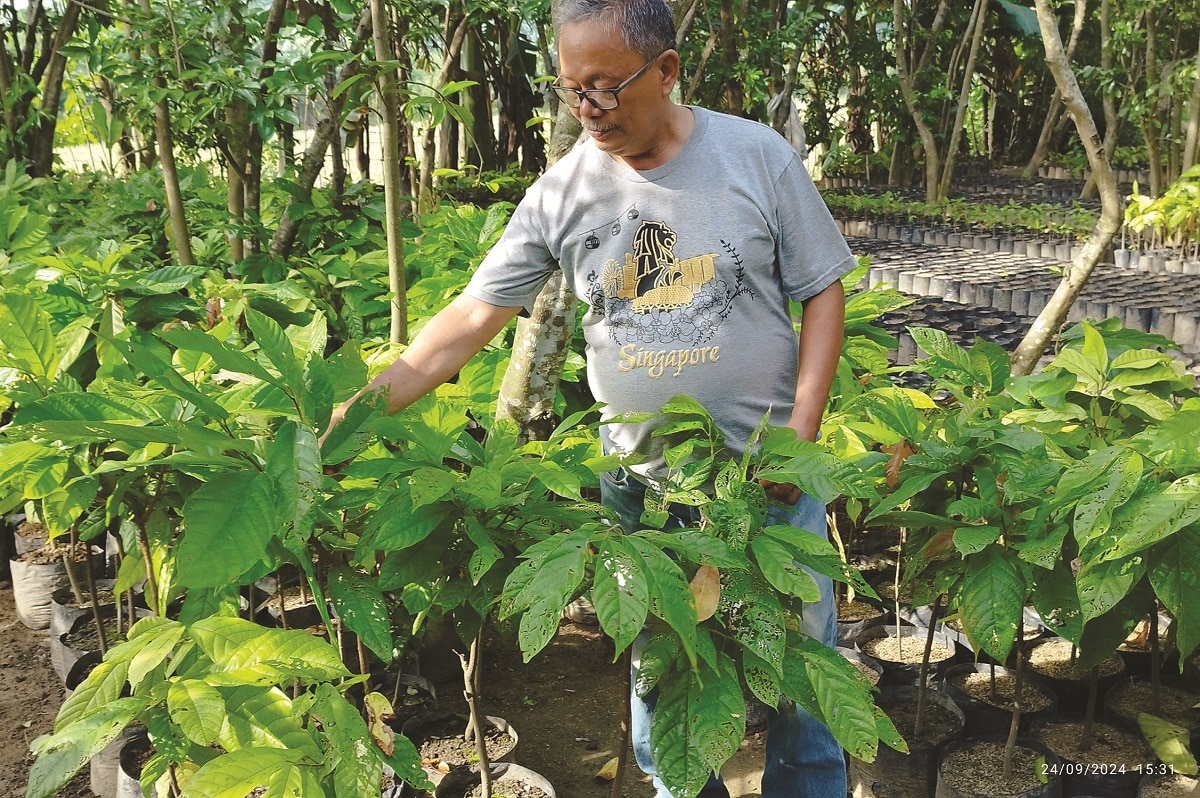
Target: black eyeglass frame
(574, 97)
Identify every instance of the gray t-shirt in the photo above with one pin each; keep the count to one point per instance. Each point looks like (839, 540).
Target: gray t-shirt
(685, 269)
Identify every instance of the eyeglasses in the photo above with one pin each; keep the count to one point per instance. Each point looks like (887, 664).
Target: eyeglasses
(601, 99)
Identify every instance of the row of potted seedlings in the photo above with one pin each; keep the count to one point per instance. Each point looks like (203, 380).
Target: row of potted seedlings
(1079, 729)
(73, 599)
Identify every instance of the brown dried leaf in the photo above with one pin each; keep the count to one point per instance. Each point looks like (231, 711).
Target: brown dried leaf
(706, 591)
(900, 452)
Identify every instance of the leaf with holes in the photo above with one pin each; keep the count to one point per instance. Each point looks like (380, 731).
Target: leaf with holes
(993, 595)
(620, 592)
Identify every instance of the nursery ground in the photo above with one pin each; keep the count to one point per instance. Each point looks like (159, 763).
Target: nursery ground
(565, 705)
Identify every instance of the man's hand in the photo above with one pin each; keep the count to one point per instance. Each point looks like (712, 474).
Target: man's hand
(782, 491)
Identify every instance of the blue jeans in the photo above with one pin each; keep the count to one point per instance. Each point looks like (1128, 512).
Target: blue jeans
(803, 759)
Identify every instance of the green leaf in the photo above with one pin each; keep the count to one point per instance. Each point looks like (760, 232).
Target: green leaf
(358, 767)
(814, 552)
(777, 562)
(556, 578)
(294, 465)
(193, 339)
(558, 480)
(275, 344)
(102, 687)
(1169, 742)
(72, 406)
(670, 593)
(993, 596)
(620, 592)
(697, 724)
(399, 525)
(1175, 575)
(238, 773)
(1148, 520)
(234, 514)
(61, 755)
(262, 717)
(155, 648)
(844, 700)
(28, 338)
(197, 709)
(234, 644)
(149, 361)
(486, 553)
(1094, 510)
(360, 603)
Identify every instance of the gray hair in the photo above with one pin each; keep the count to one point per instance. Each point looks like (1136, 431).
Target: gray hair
(647, 26)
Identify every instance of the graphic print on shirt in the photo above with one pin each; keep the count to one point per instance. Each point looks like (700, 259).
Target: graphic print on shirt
(653, 297)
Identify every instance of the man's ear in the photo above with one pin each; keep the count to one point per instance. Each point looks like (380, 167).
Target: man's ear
(668, 71)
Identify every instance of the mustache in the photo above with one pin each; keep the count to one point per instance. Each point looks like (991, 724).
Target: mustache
(601, 128)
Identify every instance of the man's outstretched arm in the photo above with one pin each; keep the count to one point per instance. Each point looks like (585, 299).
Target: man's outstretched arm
(443, 346)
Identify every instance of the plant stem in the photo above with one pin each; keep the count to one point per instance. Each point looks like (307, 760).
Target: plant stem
(626, 723)
(362, 664)
(95, 598)
(470, 668)
(923, 678)
(1010, 745)
(1155, 661)
(1089, 719)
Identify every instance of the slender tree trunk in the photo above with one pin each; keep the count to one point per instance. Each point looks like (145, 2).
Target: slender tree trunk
(735, 96)
(42, 146)
(254, 144)
(1149, 124)
(1112, 120)
(530, 384)
(684, 24)
(933, 168)
(1111, 211)
(481, 144)
(1042, 149)
(393, 199)
(453, 49)
(960, 113)
(1191, 140)
(314, 155)
(166, 156)
(694, 82)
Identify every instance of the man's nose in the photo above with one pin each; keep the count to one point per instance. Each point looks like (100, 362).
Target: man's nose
(591, 109)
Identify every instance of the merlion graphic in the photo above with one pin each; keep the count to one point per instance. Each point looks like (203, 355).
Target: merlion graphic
(654, 297)
(652, 277)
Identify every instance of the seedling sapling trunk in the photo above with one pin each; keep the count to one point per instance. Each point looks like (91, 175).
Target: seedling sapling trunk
(1010, 744)
(474, 731)
(923, 677)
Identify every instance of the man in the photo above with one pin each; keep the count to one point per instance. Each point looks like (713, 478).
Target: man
(685, 232)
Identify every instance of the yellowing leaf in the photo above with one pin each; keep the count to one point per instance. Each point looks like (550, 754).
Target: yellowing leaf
(609, 771)
(706, 591)
(379, 711)
(1170, 743)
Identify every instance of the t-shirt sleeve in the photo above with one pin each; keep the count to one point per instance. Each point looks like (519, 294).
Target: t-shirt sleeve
(516, 268)
(811, 251)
